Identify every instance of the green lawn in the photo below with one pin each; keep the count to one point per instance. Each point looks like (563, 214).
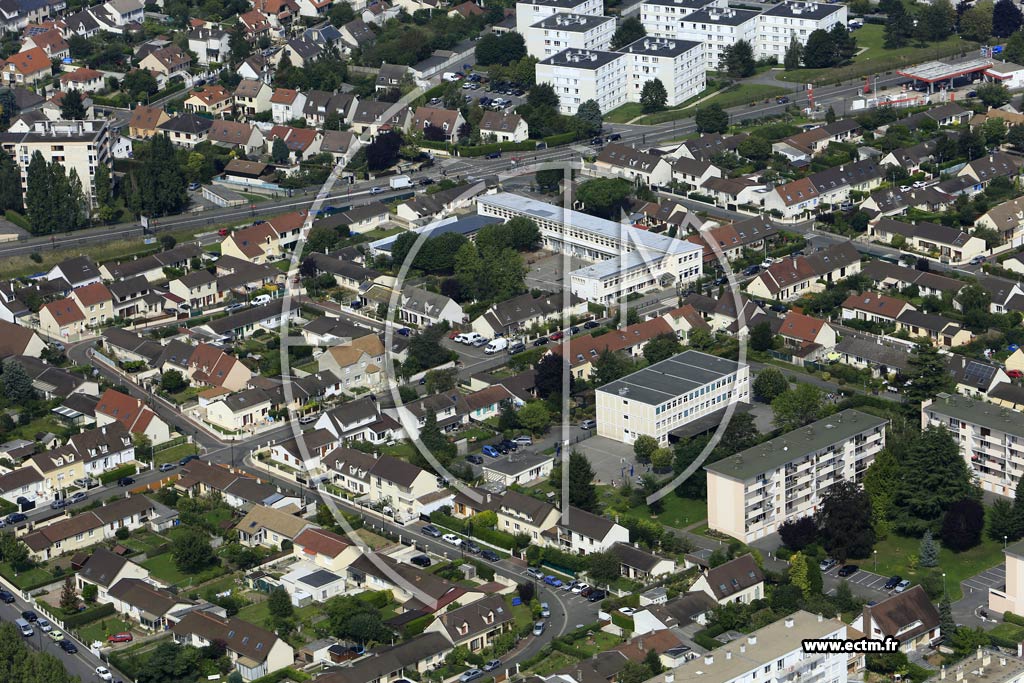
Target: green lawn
(174, 453)
(523, 616)
(877, 59)
(678, 512)
(552, 663)
(625, 113)
(144, 541)
(259, 613)
(402, 449)
(99, 630)
(1009, 631)
(894, 551)
(254, 198)
(163, 567)
(36, 576)
(599, 642)
(745, 93)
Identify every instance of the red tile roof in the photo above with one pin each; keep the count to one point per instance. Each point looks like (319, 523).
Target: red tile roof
(321, 542)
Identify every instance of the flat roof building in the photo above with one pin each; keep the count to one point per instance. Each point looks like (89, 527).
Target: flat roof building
(794, 19)
(668, 395)
(991, 438)
(752, 493)
(581, 75)
(530, 12)
(678, 64)
(719, 28)
(558, 32)
(661, 18)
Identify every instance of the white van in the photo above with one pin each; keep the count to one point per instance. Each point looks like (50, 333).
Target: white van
(24, 627)
(261, 299)
(495, 345)
(471, 337)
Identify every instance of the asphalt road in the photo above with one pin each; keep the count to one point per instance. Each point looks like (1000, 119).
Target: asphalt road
(83, 664)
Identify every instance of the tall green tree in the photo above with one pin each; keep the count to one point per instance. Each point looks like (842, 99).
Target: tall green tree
(769, 384)
(604, 197)
(928, 374)
(10, 184)
(820, 51)
(1001, 522)
(72, 108)
(653, 96)
(1006, 18)
(737, 60)
(845, 522)
(899, 27)
(928, 552)
(798, 574)
(279, 151)
(589, 116)
(629, 31)
(644, 447)
(661, 347)
(39, 204)
(962, 525)
(882, 483)
(582, 492)
(934, 477)
(102, 186)
(711, 119)
(16, 383)
(935, 21)
(798, 406)
(794, 55)
(160, 183)
(281, 610)
(191, 551)
(976, 22)
(610, 366)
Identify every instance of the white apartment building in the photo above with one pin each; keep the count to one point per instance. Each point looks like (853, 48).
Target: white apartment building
(529, 13)
(794, 19)
(627, 259)
(991, 438)
(773, 654)
(668, 395)
(719, 28)
(581, 75)
(755, 491)
(678, 64)
(661, 18)
(80, 146)
(558, 32)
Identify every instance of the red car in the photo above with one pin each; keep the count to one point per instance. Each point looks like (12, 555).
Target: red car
(453, 334)
(1014, 374)
(120, 638)
(556, 336)
(224, 232)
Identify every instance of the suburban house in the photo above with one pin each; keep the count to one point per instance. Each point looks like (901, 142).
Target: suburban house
(738, 580)
(874, 308)
(641, 565)
(580, 532)
(357, 363)
(269, 527)
(790, 278)
(85, 529)
(476, 625)
(504, 127)
(147, 605)
(133, 414)
(238, 490)
(104, 568)
(438, 124)
(255, 652)
(951, 245)
(325, 549)
(909, 617)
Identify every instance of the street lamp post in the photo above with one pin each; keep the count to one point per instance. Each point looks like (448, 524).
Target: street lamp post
(876, 561)
(1004, 541)
(944, 585)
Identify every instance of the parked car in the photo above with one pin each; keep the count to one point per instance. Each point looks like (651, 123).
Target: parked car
(453, 539)
(848, 570)
(588, 424)
(57, 504)
(502, 448)
(432, 531)
(376, 190)
(535, 572)
(125, 481)
(591, 324)
(491, 451)
(586, 592)
(892, 582)
(524, 440)
(597, 596)
(552, 581)
(1014, 374)
(494, 155)
(471, 547)
(826, 564)
(580, 587)
(490, 555)
(538, 628)
(475, 459)
(492, 665)
(421, 561)
(902, 586)
(167, 467)
(555, 336)
(231, 308)
(977, 260)
(44, 625)
(15, 518)
(187, 459)
(77, 497)
(68, 647)
(7, 596)
(545, 610)
(120, 638)
(569, 585)
(471, 675)
(752, 270)
(84, 482)
(541, 342)
(508, 445)
(404, 331)
(56, 636)
(30, 616)
(482, 341)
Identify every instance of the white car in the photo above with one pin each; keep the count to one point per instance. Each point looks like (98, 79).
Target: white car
(453, 539)
(919, 184)
(902, 586)
(767, 262)
(44, 625)
(580, 587)
(103, 673)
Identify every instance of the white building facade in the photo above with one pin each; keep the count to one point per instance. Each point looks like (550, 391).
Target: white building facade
(661, 18)
(581, 75)
(779, 25)
(529, 13)
(669, 395)
(678, 64)
(558, 32)
(719, 28)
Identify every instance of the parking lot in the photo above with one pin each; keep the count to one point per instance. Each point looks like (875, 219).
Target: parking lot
(548, 273)
(990, 578)
(863, 578)
(560, 590)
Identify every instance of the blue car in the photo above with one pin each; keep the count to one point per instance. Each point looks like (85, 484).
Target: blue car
(552, 581)
(491, 451)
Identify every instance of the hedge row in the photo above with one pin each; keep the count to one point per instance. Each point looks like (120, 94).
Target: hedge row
(623, 621)
(89, 615)
(117, 473)
(706, 641)
(287, 673)
(415, 627)
(560, 139)
(1013, 618)
(378, 599)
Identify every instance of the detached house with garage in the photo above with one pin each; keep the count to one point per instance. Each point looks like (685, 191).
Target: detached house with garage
(790, 278)
(909, 617)
(325, 549)
(133, 414)
(103, 569)
(254, 652)
(738, 580)
(474, 626)
(627, 162)
(580, 532)
(269, 527)
(438, 124)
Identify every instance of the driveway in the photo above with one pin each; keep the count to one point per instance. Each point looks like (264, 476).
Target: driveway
(864, 584)
(967, 610)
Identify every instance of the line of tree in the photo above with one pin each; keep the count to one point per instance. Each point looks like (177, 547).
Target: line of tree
(54, 199)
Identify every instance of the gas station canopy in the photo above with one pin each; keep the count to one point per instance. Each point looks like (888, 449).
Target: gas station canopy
(933, 72)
